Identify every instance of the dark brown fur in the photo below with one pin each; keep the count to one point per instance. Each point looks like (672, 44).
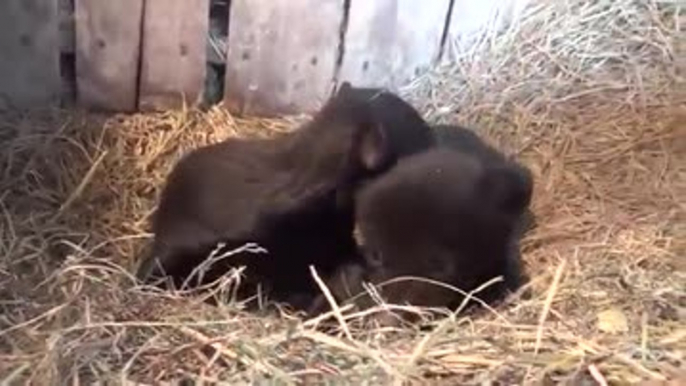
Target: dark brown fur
(465, 140)
(347, 280)
(446, 215)
(292, 194)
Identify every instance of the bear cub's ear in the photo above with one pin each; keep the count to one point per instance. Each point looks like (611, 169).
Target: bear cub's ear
(508, 188)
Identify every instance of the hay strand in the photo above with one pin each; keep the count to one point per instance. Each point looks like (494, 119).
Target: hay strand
(589, 95)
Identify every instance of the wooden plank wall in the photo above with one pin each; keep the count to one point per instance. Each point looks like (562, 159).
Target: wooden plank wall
(29, 53)
(389, 42)
(174, 53)
(107, 53)
(469, 18)
(281, 56)
(284, 56)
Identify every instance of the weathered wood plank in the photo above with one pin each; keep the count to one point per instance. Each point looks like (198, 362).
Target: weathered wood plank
(107, 52)
(470, 19)
(281, 55)
(29, 53)
(174, 53)
(389, 42)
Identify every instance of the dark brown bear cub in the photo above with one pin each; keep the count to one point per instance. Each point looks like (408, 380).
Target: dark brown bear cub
(291, 195)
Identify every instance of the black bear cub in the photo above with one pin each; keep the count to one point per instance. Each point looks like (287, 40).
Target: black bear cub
(446, 216)
(452, 214)
(292, 195)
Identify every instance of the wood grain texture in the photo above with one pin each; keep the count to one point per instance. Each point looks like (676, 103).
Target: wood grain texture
(174, 53)
(107, 52)
(281, 55)
(29, 53)
(389, 42)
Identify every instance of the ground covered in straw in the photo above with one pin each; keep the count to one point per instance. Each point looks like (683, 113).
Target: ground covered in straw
(590, 95)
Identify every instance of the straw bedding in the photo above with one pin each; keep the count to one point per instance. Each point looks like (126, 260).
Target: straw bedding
(590, 95)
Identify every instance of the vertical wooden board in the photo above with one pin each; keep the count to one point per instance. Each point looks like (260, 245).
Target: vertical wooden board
(470, 18)
(29, 53)
(389, 42)
(107, 52)
(174, 53)
(281, 55)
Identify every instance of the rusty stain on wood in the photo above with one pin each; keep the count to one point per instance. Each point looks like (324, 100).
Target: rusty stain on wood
(29, 53)
(107, 53)
(390, 42)
(174, 53)
(281, 56)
